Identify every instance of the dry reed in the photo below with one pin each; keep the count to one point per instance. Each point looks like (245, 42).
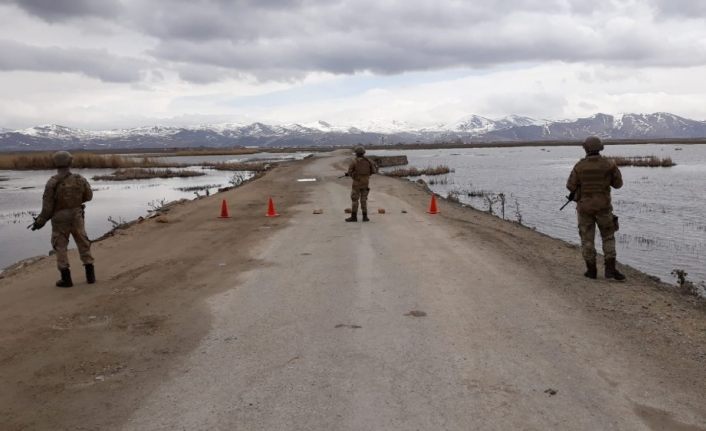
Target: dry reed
(145, 174)
(415, 172)
(387, 161)
(239, 166)
(210, 152)
(38, 161)
(644, 161)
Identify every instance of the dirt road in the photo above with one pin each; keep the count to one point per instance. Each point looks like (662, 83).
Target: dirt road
(456, 321)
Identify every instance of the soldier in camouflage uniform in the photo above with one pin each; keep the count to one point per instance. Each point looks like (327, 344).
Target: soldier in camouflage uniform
(360, 170)
(62, 203)
(589, 183)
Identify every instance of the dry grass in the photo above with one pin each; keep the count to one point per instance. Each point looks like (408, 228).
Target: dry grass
(239, 166)
(645, 161)
(415, 172)
(37, 161)
(479, 193)
(438, 181)
(387, 161)
(145, 174)
(210, 152)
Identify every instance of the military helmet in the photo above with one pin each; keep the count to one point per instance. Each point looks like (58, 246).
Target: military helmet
(359, 151)
(593, 144)
(62, 159)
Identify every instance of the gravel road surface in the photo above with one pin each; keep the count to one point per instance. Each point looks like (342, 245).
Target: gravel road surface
(456, 321)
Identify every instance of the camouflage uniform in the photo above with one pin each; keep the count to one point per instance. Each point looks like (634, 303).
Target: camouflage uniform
(62, 203)
(591, 180)
(360, 170)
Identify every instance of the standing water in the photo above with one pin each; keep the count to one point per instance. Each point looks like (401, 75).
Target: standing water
(121, 201)
(662, 222)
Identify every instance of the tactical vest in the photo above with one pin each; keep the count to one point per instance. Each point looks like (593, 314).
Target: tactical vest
(363, 167)
(69, 192)
(594, 175)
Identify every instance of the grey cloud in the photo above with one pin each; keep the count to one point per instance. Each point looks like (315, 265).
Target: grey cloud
(398, 50)
(246, 20)
(58, 10)
(681, 8)
(211, 40)
(281, 39)
(93, 63)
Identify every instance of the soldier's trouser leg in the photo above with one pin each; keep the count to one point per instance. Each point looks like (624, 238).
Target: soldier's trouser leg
(364, 199)
(604, 221)
(587, 232)
(60, 243)
(355, 196)
(78, 231)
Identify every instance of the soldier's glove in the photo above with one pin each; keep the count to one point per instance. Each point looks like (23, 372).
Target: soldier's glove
(572, 196)
(346, 174)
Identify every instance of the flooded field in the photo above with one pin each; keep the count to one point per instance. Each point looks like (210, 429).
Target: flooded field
(662, 221)
(21, 196)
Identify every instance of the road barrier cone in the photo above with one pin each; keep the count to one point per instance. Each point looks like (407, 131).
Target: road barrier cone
(432, 206)
(271, 209)
(224, 210)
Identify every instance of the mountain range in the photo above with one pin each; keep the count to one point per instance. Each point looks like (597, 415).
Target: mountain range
(473, 128)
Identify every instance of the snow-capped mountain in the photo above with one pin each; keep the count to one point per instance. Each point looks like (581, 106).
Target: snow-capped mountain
(477, 125)
(473, 128)
(660, 125)
(473, 124)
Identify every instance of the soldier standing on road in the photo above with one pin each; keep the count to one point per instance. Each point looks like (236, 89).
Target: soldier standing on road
(360, 171)
(62, 203)
(589, 183)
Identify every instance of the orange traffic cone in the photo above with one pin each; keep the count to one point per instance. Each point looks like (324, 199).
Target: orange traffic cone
(271, 209)
(224, 210)
(432, 206)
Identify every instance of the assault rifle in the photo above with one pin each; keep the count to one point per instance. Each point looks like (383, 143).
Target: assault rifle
(31, 225)
(344, 175)
(569, 198)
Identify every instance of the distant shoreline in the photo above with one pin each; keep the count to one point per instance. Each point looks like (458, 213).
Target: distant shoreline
(607, 142)
(399, 146)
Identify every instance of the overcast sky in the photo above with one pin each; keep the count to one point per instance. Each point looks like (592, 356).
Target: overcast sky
(123, 63)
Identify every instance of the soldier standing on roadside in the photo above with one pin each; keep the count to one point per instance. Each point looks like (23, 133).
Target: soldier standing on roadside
(360, 171)
(590, 182)
(62, 203)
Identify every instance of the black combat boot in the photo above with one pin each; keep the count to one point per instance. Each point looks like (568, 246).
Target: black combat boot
(90, 273)
(65, 278)
(365, 216)
(611, 271)
(353, 217)
(591, 270)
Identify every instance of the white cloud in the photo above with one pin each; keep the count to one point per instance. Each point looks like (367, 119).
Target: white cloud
(129, 62)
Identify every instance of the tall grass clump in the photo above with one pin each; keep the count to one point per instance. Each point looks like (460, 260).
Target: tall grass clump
(687, 286)
(415, 172)
(643, 161)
